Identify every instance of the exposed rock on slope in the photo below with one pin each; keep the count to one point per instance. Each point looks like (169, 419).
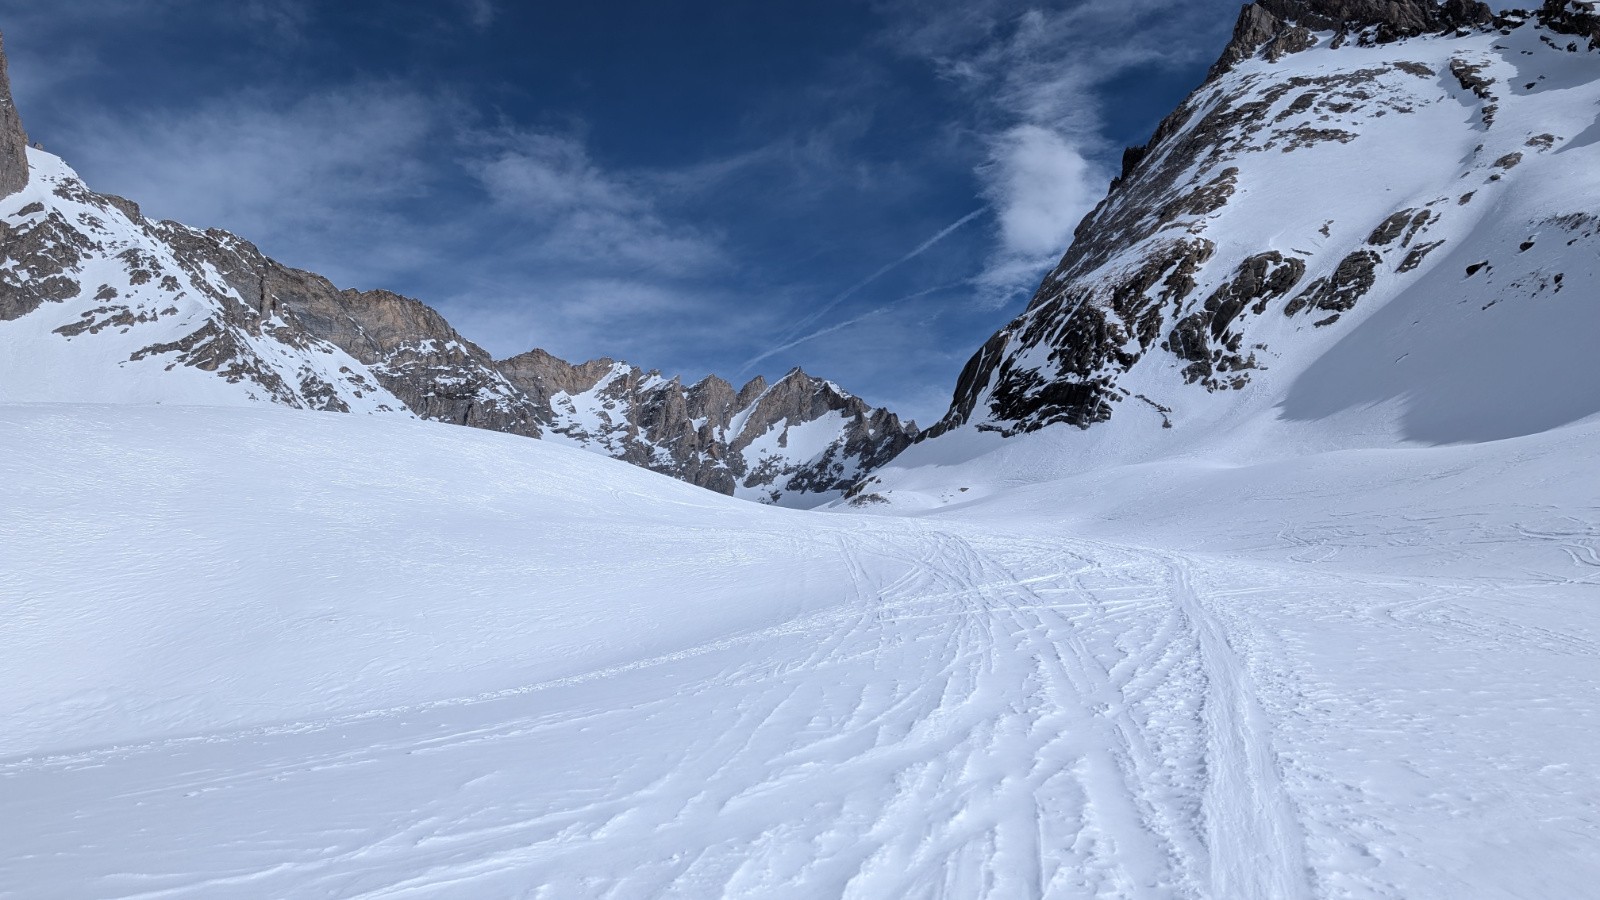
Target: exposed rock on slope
(1343, 155)
(408, 347)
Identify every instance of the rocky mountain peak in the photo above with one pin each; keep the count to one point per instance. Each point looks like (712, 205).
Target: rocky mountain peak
(13, 139)
(752, 389)
(1279, 27)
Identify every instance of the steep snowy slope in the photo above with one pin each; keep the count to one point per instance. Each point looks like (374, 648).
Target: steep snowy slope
(261, 652)
(1360, 231)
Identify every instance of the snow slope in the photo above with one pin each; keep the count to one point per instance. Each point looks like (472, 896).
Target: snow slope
(260, 652)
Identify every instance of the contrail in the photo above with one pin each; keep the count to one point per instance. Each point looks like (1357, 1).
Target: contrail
(812, 336)
(847, 323)
(850, 291)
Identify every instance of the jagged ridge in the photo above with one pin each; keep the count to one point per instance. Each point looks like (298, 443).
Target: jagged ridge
(760, 441)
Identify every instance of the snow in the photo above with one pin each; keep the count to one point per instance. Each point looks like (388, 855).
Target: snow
(314, 655)
(797, 440)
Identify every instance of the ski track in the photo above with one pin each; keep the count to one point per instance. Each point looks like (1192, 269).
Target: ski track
(987, 716)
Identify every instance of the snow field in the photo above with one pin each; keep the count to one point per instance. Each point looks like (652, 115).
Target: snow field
(346, 656)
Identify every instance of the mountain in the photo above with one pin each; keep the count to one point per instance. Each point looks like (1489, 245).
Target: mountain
(1374, 224)
(100, 304)
(798, 440)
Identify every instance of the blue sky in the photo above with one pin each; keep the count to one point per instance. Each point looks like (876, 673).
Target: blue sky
(864, 189)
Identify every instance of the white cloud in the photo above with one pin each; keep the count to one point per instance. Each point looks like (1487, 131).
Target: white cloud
(1042, 186)
(542, 173)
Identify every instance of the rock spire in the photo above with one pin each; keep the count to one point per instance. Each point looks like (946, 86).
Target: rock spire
(13, 140)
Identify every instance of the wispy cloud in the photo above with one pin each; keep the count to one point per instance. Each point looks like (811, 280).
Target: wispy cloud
(289, 174)
(286, 19)
(1034, 75)
(480, 13)
(348, 182)
(1041, 187)
(578, 212)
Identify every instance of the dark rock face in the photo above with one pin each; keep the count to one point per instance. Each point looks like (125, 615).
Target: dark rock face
(541, 376)
(46, 250)
(1567, 17)
(1339, 292)
(708, 434)
(1210, 339)
(13, 140)
(1280, 27)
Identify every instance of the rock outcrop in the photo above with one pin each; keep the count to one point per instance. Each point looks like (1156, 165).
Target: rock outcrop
(409, 348)
(13, 139)
(1574, 17)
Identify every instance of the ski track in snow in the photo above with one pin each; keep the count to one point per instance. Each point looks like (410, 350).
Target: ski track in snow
(974, 727)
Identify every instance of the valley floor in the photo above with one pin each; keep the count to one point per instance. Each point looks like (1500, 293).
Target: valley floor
(1359, 681)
